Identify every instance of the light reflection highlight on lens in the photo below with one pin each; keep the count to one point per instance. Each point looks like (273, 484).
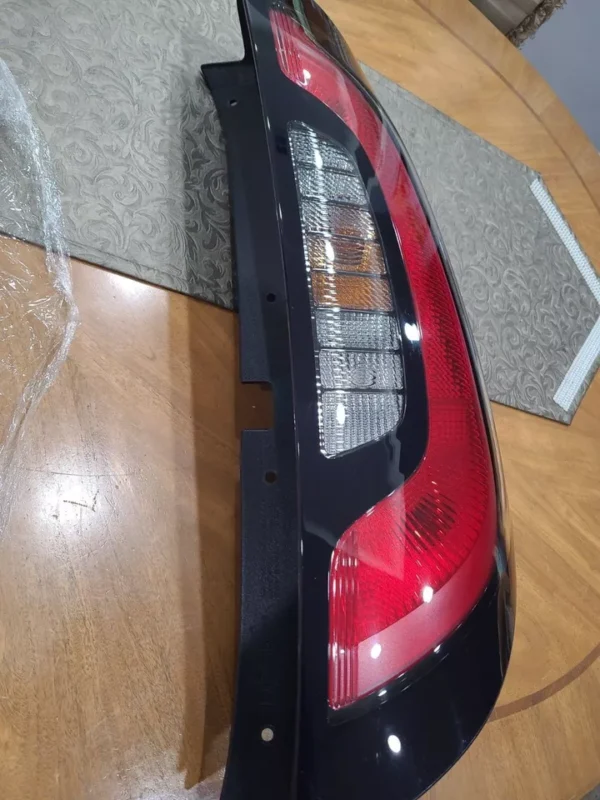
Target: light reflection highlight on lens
(411, 331)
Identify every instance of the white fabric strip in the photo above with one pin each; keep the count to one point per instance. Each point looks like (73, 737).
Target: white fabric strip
(590, 350)
(579, 369)
(570, 242)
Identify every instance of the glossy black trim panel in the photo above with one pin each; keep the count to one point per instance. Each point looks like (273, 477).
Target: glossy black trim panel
(267, 675)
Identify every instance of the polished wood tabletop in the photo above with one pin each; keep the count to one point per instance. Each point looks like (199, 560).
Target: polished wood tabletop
(118, 569)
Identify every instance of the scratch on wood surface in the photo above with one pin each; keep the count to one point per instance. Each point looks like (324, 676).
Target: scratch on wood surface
(92, 507)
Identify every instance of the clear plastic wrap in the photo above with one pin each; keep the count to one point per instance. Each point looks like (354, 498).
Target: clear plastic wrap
(37, 314)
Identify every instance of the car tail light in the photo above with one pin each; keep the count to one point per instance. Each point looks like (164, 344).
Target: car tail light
(407, 573)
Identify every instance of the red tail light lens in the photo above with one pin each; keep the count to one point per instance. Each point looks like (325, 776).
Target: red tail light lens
(408, 572)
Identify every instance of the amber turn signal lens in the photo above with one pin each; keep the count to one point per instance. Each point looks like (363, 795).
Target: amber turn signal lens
(351, 291)
(344, 255)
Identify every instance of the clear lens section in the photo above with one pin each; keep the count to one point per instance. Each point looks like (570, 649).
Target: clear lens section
(358, 358)
(335, 253)
(351, 419)
(350, 369)
(352, 329)
(308, 148)
(340, 187)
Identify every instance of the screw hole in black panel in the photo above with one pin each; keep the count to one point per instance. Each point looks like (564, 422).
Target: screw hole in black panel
(267, 735)
(270, 476)
(271, 297)
(233, 102)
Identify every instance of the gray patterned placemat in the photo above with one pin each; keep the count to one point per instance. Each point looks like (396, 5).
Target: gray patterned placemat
(116, 89)
(139, 156)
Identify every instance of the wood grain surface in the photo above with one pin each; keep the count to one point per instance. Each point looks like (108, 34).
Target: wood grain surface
(118, 568)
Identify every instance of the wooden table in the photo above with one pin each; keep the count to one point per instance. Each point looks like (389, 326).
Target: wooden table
(118, 568)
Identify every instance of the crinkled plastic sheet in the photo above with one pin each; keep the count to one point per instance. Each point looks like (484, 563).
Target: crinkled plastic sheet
(37, 312)
(38, 316)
